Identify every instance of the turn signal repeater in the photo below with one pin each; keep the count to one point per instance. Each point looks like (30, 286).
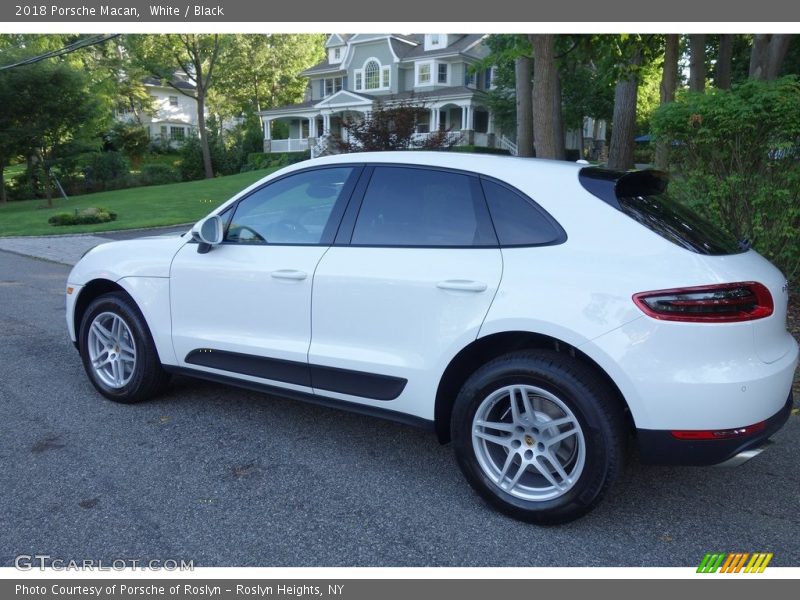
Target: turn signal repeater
(719, 303)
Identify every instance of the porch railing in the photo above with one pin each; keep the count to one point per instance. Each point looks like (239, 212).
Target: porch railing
(290, 145)
(508, 145)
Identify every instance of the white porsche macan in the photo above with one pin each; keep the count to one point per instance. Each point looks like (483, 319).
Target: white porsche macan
(538, 314)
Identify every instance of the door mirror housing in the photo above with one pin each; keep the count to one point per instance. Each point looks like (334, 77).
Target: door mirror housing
(208, 233)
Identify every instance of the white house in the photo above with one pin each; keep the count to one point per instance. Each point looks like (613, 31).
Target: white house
(362, 68)
(174, 115)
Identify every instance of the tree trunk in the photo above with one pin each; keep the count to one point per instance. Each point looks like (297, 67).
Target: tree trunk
(201, 118)
(669, 83)
(697, 63)
(722, 79)
(201, 125)
(620, 154)
(522, 74)
(767, 54)
(544, 87)
(558, 120)
(758, 55)
(778, 46)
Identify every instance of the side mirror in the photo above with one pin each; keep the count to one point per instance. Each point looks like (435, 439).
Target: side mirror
(208, 233)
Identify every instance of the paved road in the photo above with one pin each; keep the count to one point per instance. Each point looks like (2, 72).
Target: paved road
(231, 478)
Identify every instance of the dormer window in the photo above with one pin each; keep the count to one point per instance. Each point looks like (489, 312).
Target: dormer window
(335, 55)
(373, 76)
(434, 41)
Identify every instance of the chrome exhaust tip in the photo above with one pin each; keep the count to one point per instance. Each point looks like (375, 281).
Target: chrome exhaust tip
(744, 456)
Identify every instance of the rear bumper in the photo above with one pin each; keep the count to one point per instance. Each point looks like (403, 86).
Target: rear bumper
(659, 447)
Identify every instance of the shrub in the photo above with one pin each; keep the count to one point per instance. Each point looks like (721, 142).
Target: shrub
(158, 174)
(732, 154)
(107, 171)
(87, 216)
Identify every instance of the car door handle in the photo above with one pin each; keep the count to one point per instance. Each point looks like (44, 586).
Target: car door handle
(289, 274)
(462, 285)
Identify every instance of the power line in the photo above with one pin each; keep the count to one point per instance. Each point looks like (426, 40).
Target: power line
(69, 48)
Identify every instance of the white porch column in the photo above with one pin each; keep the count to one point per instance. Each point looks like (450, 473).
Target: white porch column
(326, 124)
(267, 129)
(312, 127)
(434, 125)
(464, 116)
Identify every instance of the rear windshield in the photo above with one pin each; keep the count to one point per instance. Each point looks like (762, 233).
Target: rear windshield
(644, 197)
(679, 224)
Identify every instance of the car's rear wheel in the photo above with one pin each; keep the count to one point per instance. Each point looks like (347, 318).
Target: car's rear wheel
(118, 352)
(539, 435)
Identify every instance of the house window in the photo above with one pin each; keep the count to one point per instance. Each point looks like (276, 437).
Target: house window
(372, 75)
(434, 39)
(177, 134)
(385, 77)
(333, 85)
(163, 134)
(442, 73)
(337, 53)
(173, 101)
(424, 74)
(359, 81)
(469, 76)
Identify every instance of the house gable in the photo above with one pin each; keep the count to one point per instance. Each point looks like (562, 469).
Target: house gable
(344, 98)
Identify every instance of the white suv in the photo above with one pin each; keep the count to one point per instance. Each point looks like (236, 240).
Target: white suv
(536, 313)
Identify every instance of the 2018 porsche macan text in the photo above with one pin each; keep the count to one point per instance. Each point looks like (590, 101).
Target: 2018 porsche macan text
(539, 315)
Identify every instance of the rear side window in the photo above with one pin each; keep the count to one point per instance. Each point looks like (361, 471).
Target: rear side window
(679, 224)
(405, 206)
(517, 220)
(644, 197)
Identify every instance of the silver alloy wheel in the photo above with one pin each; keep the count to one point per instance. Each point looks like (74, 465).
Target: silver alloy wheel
(528, 442)
(112, 350)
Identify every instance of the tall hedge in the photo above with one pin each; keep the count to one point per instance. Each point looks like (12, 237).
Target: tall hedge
(735, 157)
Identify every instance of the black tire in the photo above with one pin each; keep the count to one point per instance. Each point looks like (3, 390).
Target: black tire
(593, 405)
(148, 377)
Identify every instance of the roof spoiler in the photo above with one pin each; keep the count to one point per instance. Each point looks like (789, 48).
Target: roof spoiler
(609, 185)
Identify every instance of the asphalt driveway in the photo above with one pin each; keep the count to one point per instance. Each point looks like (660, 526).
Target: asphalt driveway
(226, 477)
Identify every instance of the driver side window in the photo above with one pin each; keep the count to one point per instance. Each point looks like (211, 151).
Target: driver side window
(294, 210)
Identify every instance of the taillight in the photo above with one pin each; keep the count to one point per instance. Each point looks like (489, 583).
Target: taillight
(723, 303)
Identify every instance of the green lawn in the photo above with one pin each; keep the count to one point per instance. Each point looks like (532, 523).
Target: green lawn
(136, 207)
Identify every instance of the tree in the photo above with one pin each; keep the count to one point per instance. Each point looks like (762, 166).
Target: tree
(697, 64)
(192, 56)
(544, 101)
(48, 107)
(392, 127)
(669, 83)
(620, 152)
(524, 103)
(722, 77)
(262, 71)
(767, 55)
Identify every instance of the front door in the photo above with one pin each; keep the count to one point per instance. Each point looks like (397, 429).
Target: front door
(244, 308)
(412, 288)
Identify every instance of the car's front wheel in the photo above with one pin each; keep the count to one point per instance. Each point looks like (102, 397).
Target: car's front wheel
(118, 352)
(539, 435)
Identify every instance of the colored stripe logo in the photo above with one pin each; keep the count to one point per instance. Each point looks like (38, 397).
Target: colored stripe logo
(734, 562)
